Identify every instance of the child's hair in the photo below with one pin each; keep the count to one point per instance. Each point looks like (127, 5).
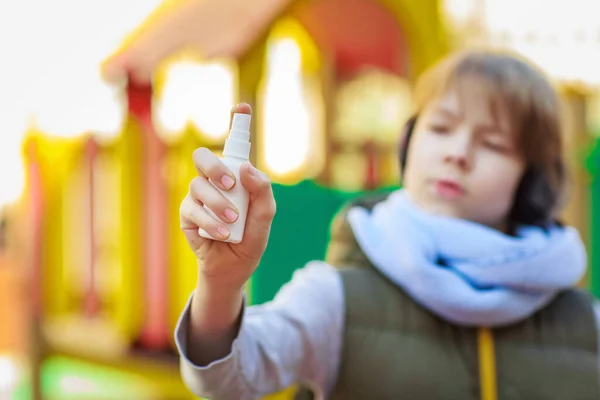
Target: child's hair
(514, 87)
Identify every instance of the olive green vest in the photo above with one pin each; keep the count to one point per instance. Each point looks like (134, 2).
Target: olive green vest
(395, 349)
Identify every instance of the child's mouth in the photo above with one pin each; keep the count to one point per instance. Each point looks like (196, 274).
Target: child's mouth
(448, 189)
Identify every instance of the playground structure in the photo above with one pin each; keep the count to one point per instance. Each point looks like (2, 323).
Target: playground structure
(111, 271)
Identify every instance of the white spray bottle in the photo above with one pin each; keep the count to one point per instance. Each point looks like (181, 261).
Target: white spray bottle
(235, 153)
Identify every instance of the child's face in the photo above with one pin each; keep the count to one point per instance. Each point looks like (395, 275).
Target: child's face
(462, 161)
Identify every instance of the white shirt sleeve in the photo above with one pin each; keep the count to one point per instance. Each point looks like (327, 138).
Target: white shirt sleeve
(296, 338)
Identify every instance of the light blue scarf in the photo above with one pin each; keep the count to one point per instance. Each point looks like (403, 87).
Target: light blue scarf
(487, 278)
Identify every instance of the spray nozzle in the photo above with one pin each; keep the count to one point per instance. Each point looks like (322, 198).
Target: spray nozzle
(240, 126)
(238, 143)
(241, 122)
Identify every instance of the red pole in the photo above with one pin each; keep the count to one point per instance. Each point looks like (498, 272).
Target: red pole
(35, 205)
(154, 203)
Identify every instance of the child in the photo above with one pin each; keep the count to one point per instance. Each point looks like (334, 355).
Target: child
(461, 285)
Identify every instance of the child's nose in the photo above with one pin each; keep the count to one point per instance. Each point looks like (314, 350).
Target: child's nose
(459, 151)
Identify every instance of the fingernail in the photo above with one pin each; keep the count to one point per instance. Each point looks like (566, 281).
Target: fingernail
(227, 181)
(230, 215)
(222, 231)
(252, 170)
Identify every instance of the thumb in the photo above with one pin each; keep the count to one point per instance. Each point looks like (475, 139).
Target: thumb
(262, 203)
(113, 70)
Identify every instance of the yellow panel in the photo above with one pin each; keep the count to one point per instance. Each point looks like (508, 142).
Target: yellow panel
(422, 24)
(285, 395)
(130, 312)
(114, 281)
(374, 104)
(291, 106)
(66, 228)
(348, 171)
(58, 159)
(291, 28)
(76, 234)
(389, 167)
(108, 219)
(182, 264)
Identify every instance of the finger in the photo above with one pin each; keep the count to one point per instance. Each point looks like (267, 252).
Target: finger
(113, 70)
(262, 206)
(242, 108)
(204, 193)
(210, 166)
(194, 216)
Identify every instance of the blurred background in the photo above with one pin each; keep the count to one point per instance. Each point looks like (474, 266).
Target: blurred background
(94, 271)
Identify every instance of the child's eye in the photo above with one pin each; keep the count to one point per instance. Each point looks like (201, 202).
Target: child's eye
(496, 146)
(438, 128)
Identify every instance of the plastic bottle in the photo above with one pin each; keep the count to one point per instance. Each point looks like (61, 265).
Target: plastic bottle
(235, 153)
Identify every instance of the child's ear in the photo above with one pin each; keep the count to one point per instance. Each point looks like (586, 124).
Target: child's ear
(537, 199)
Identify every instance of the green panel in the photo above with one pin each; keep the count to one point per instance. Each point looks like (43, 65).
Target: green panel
(69, 378)
(64, 378)
(22, 391)
(299, 234)
(594, 168)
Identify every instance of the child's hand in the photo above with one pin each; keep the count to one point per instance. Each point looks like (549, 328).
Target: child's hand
(220, 262)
